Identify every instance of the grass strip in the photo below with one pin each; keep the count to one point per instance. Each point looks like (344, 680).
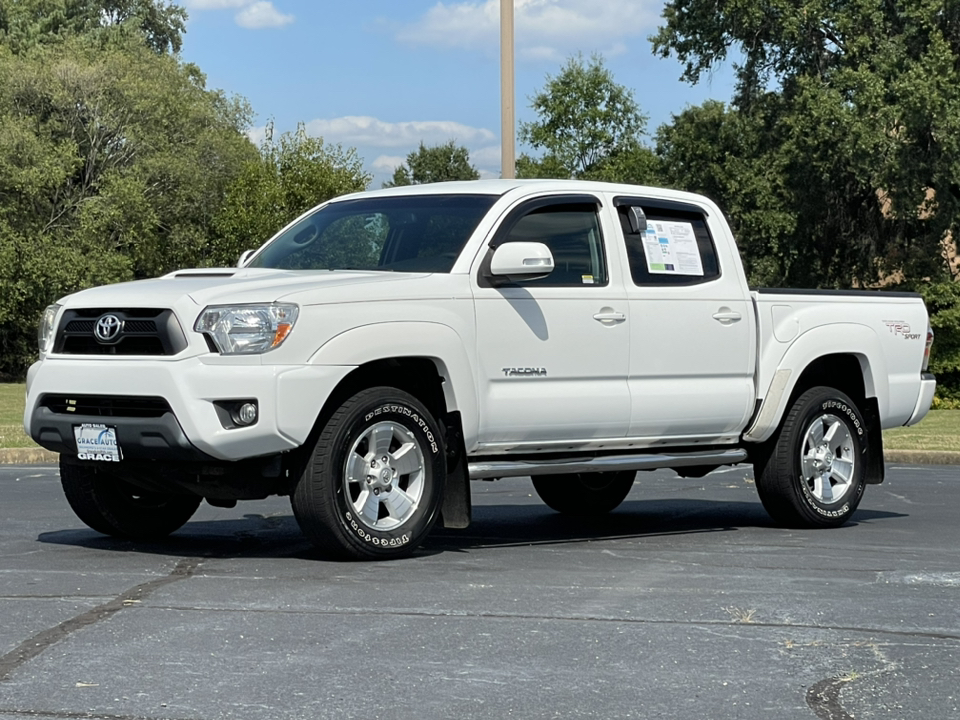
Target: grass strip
(11, 417)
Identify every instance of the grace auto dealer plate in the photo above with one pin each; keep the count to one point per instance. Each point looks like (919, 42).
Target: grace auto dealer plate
(97, 442)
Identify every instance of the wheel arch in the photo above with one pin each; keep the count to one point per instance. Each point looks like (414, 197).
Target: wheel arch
(856, 367)
(853, 364)
(427, 359)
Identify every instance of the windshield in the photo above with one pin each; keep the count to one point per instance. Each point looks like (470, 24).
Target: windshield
(415, 233)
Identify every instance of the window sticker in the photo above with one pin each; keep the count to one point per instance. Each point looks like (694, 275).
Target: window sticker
(671, 249)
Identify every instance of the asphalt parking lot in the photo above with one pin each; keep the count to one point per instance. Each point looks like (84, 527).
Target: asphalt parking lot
(684, 603)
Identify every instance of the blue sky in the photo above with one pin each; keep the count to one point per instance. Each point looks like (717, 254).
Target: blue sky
(382, 75)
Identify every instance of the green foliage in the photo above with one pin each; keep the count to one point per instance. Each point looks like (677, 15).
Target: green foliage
(588, 127)
(27, 23)
(711, 150)
(437, 163)
(548, 166)
(117, 163)
(943, 303)
(113, 160)
(850, 112)
(290, 176)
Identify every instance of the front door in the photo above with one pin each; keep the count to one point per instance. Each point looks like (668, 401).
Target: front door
(553, 353)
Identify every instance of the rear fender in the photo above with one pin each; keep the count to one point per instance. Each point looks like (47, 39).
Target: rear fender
(859, 341)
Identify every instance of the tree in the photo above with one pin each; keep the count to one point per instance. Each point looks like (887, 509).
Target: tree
(588, 127)
(712, 150)
(437, 163)
(857, 106)
(113, 161)
(25, 23)
(943, 303)
(291, 175)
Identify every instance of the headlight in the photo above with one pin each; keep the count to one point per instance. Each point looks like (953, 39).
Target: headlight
(47, 328)
(247, 329)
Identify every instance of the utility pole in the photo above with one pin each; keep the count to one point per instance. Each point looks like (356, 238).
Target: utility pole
(507, 119)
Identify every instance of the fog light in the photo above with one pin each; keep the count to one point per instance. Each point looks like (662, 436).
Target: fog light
(246, 414)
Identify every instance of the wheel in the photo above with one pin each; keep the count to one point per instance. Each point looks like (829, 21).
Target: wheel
(813, 472)
(584, 494)
(373, 485)
(114, 507)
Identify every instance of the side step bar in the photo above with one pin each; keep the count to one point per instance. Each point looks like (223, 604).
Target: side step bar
(605, 463)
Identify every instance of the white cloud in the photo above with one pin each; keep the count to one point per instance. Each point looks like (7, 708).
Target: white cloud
(371, 132)
(260, 15)
(257, 135)
(486, 156)
(544, 29)
(390, 142)
(387, 163)
(254, 14)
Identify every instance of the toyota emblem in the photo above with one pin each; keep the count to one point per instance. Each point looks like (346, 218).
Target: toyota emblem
(107, 328)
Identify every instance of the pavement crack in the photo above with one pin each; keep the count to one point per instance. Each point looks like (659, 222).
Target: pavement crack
(34, 646)
(614, 619)
(824, 699)
(69, 715)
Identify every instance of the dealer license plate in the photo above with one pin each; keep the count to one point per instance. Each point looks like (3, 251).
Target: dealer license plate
(97, 442)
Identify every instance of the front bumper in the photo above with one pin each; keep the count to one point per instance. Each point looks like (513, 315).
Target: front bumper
(289, 399)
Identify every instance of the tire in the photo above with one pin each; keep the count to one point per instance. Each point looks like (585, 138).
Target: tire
(114, 507)
(813, 473)
(353, 505)
(584, 494)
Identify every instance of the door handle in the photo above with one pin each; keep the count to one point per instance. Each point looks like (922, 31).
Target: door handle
(726, 316)
(608, 315)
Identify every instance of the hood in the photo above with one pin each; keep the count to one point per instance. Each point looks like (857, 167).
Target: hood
(216, 286)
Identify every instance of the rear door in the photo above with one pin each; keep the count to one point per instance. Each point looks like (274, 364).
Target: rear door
(553, 353)
(693, 334)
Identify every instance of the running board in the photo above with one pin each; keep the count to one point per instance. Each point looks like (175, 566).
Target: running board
(604, 463)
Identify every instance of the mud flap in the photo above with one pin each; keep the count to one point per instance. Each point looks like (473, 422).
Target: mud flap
(455, 512)
(875, 467)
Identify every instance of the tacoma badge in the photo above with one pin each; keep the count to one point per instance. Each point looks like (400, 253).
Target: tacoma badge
(524, 372)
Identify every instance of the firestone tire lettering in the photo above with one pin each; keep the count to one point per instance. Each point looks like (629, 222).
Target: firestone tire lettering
(371, 538)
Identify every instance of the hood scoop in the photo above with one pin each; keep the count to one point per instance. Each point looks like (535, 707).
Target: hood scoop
(203, 272)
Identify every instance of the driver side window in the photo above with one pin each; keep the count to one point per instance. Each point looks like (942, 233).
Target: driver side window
(572, 232)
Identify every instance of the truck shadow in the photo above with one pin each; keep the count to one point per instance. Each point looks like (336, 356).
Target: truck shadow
(516, 525)
(494, 526)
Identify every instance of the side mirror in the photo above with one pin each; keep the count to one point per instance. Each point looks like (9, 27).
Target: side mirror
(521, 261)
(244, 256)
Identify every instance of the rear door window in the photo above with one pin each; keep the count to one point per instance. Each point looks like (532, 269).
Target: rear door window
(675, 248)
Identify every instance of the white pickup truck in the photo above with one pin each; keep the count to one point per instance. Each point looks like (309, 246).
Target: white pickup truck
(387, 347)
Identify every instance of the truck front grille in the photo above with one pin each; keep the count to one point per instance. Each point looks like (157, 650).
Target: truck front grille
(106, 405)
(143, 331)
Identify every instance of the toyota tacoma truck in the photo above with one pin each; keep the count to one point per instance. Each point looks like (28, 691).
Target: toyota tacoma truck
(387, 347)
